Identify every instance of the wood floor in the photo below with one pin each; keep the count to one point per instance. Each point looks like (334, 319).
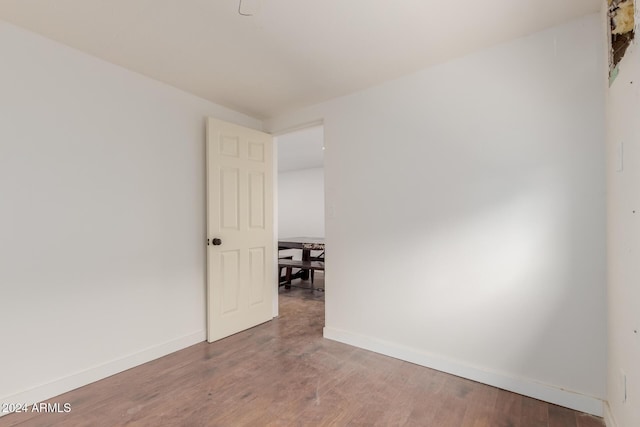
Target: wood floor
(283, 373)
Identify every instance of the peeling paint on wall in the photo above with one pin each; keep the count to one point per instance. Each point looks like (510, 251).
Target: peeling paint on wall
(622, 32)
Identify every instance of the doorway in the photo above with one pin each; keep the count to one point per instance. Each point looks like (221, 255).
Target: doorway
(299, 200)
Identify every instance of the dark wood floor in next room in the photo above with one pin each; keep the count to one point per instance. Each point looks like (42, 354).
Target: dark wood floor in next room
(283, 373)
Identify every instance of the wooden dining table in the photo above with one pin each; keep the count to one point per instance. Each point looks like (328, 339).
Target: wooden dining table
(306, 244)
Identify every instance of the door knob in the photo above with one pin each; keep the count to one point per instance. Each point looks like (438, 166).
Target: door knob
(216, 242)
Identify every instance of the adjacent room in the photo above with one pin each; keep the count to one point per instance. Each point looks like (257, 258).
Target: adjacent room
(301, 204)
(469, 199)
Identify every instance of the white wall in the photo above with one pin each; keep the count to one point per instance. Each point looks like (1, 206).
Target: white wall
(623, 176)
(466, 219)
(301, 203)
(301, 149)
(102, 217)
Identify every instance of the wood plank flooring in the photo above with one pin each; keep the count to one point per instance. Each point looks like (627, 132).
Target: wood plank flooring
(283, 373)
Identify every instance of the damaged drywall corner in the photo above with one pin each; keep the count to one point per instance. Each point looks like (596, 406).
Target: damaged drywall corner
(622, 32)
(613, 74)
(623, 20)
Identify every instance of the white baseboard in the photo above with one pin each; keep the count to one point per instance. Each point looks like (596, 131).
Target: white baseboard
(524, 386)
(609, 421)
(54, 388)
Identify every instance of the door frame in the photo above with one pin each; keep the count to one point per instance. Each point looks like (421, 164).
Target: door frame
(276, 273)
(275, 134)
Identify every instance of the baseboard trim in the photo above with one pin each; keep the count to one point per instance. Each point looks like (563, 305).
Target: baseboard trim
(609, 421)
(527, 387)
(71, 382)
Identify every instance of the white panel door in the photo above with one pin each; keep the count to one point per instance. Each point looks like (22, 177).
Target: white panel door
(240, 286)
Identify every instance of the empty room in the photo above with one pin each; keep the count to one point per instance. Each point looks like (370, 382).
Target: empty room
(473, 256)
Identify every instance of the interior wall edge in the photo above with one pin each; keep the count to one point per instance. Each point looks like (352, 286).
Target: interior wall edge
(609, 421)
(527, 387)
(294, 128)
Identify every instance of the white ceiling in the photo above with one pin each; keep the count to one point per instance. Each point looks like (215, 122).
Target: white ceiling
(291, 53)
(303, 149)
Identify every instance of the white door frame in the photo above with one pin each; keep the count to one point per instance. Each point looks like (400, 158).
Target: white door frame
(275, 135)
(276, 276)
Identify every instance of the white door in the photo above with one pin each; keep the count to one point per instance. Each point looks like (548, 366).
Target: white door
(240, 280)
